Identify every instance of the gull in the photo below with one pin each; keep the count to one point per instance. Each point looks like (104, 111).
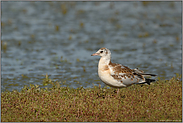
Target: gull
(117, 75)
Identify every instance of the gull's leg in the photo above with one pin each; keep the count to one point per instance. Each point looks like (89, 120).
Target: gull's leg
(118, 91)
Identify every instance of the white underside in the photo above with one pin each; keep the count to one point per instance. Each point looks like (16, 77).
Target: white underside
(109, 80)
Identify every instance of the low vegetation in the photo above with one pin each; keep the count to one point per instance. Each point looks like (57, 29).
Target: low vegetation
(161, 101)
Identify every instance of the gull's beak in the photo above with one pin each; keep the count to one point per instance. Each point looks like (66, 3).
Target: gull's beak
(95, 54)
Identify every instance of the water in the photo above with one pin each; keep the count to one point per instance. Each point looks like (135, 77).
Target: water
(58, 38)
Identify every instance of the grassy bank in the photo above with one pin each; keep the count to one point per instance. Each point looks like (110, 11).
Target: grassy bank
(161, 101)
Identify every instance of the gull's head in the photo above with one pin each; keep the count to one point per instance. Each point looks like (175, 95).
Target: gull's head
(102, 52)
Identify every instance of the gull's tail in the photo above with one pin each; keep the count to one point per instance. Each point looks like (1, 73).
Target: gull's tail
(143, 76)
(148, 81)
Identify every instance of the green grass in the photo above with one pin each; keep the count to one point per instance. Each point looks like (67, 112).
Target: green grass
(160, 101)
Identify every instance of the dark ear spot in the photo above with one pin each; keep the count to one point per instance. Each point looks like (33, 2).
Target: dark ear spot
(106, 52)
(101, 51)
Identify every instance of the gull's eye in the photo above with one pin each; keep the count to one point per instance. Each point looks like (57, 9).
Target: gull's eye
(101, 51)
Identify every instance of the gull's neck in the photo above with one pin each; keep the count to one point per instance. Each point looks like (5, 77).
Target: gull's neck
(105, 60)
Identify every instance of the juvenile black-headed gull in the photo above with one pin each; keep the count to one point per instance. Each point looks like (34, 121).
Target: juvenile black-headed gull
(117, 75)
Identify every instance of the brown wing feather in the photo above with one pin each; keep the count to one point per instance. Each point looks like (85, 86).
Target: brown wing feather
(120, 68)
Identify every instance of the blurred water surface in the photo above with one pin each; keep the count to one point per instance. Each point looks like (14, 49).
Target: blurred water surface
(58, 38)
